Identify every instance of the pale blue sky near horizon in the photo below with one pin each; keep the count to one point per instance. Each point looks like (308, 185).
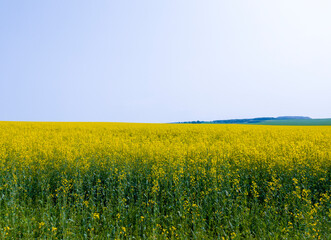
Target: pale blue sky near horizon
(164, 61)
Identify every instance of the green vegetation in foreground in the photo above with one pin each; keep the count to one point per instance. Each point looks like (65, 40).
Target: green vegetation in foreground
(297, 122)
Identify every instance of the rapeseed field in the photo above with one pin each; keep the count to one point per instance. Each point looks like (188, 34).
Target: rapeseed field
(164, 181)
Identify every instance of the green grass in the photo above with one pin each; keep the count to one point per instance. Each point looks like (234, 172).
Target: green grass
(297, 122)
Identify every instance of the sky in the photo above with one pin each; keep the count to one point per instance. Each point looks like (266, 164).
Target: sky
(164, 61)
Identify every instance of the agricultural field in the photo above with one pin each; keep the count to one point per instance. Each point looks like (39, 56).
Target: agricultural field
(298, 122)
(164, 181)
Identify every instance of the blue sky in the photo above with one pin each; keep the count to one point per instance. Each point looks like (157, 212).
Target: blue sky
(164, 61)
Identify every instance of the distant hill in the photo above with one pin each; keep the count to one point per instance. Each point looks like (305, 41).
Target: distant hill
(282, 120)
(298, 122)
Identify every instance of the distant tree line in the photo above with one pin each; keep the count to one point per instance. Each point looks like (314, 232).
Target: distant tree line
(246, 120)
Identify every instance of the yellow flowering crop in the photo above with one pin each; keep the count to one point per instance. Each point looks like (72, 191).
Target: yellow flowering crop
(60, 180)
